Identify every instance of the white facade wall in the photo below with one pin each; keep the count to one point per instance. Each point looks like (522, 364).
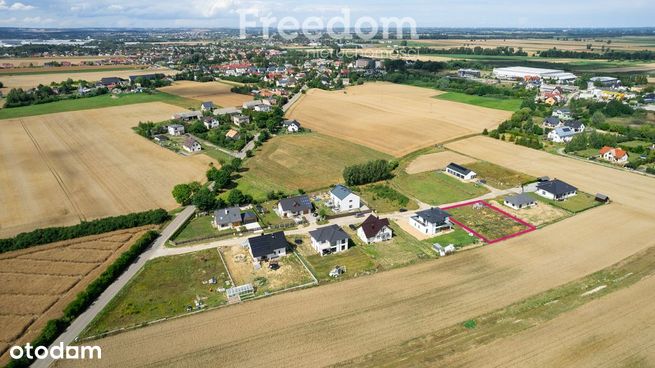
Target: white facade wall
(351, 202)
(384, 234)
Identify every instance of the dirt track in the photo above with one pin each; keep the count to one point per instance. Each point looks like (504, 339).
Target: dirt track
(217, 92)
(60, 168)
(391, 307)
(391, 118)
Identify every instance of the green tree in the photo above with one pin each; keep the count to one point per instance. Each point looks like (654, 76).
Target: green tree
(182, 194)
(204, 199)
(235, 197)
(598, 118)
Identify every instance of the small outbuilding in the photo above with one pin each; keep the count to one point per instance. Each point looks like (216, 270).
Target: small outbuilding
(602, 198)
(460, 171)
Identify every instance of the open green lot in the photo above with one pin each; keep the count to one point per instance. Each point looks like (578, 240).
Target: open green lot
(356, 261)
(498, 176)
(458, 237)
(270, 217)
(486, 222)
(384, 199)
(581, 202)
(437, 188)
(508, 104)
(216, 154)
(590, 152)
(301, 161)
(97, 102)
(164, 288)
(401, 250)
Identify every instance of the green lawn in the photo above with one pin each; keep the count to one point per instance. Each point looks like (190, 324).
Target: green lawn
(199, 227)
(270, 217)
(590, 152)
(67, 71)
(508, 104)
(498, 176)
(96, 102)
(635, 144)
(217, 155)
(356, 261)
(301, 161)
(581, 202)
(458, 237)
(437, 188)
(487, 222)
(164, 288)
(401, 250)
(384, 199)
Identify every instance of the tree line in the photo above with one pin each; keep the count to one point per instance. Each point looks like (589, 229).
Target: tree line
(644, 55)
(369, 172)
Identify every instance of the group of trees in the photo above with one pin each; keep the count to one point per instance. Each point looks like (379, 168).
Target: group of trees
(148, 129)
(53, 234)
(498, 51)
(369, 172)
(592, 140)
(610, 54)
(54, 92)
(520, 129)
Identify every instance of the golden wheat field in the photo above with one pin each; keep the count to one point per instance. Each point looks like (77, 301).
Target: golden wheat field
(392, 307)
(391, 118)
(436, 161)
(216, 92)
(58, 169)
(37, 283)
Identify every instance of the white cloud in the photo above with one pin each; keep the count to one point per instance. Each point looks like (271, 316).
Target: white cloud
(15, 6)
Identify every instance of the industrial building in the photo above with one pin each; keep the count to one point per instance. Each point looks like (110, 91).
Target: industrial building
(524, 73)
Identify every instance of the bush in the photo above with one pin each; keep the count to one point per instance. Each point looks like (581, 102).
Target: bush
(53, 234)
(369, 172)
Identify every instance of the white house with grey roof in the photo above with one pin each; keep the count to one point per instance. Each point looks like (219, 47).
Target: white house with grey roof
(175, 129)
(329, 239)
(561, 134)
(460, 172)
(520, 201)
(556, 190)
(227, 218)
(431, 221)
(294, 206)
(343, 199)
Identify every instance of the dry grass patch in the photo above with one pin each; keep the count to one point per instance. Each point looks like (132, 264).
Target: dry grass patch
(392, 118)
(436, 161)
(58, 169)
(38, 284)
(541, 214)
(33, 266)
(26, 305)
(217, 92)
(70, 255)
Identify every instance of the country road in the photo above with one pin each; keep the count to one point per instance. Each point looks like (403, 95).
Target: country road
(80, 323)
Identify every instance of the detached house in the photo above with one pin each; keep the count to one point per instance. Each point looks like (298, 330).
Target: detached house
(374, 230)
(520, 201)
(294, 206)
(227, 218)
(268, 246)
(291, 126)
(329, 239)
(563, 113)
(191, 145)
(561, 135)
(233, 134)
(207, 106)
(460, 172)
(556, 190)
(240, 119)
(575, 125)
(552, 122)
(210, 122)
(615, 155)
(343, 199)
(175, 129)
(431, 221)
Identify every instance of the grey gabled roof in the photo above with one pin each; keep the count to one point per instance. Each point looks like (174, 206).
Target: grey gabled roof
(296, 204)
(226, 216)
(458, 168)
(266, 244)
(291, 122)
(340, 191)
(434, 215)
(556, 187)
(519, 199)
(207, 104)
(573, 124)
(331, 234)
(552, 121)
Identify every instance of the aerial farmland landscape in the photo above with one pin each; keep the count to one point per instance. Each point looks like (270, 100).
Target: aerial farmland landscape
(309, 184)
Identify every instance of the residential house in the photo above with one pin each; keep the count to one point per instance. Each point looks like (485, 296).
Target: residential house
(191, 145)
(431, 221)
(374, 230)
(225, 218)
(575, 125)
(262, 108)
(292, 126)
(615, 155)
(160, 138)
(563, 113)
(520, 201)
(329, 239)
(552, 122)
(210, 122)
(240, 119)
(556, 190)
(233, 134)
(250, 105)
(268, 246)
(207, 106)
(175, 129)
(343, 199)
(112, 82)
(460, 171)
(294, 206)
(561, 135)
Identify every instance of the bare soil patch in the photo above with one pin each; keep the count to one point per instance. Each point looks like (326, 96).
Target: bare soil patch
(391, 118)
(58, 169)
(436, 161)
(216, 92)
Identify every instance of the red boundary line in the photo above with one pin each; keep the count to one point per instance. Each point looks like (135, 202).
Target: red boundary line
(529, 226)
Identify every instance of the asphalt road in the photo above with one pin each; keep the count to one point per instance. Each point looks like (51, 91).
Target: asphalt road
(80, 323)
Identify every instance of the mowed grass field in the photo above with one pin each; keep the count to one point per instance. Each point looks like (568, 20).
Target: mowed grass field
(436, 188)
(36, 284)
(508, 104)
(164, 288)
(391, 118)
(97, 102)
(58, 169)
(216, 92)
(301, 161)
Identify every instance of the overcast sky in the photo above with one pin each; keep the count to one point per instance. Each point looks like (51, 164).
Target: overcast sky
(223, 13)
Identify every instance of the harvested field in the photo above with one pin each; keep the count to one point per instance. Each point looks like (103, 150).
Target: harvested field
(436, 161)
(39, 292)
(392, 118)
(27, 62)
(531, 45)
(70, 255)
(32, 80)
(373, 312)
(216, 92)
(58, 169)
